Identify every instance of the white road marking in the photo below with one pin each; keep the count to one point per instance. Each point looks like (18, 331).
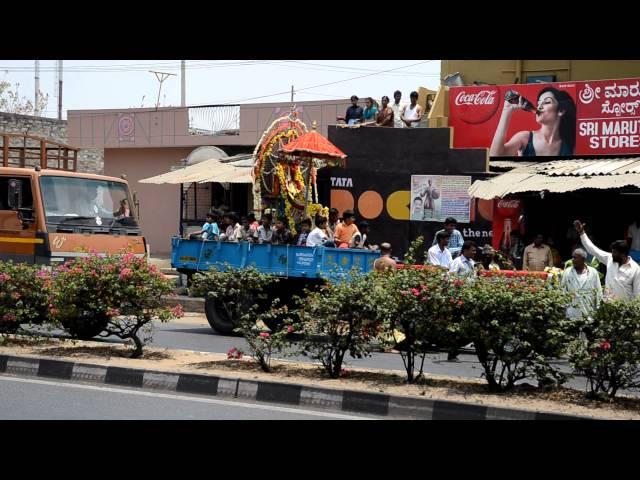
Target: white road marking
(185, 398)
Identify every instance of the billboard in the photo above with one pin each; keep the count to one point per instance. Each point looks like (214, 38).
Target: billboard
(548, 119)
(436, 197)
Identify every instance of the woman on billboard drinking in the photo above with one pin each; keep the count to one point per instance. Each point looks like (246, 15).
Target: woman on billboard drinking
(556, 114)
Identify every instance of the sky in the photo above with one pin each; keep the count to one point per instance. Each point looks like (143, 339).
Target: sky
(96, 84)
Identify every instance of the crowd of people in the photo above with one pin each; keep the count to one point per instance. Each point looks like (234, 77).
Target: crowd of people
(392, 115)
(329, 232)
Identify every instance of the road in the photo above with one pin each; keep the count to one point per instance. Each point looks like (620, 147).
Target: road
(35, 399)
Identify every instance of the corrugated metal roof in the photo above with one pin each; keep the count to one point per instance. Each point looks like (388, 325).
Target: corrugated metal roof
(203, 172)
(560, 176)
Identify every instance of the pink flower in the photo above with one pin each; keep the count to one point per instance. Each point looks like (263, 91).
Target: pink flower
(178, 311)
(4, 277)
(458, 282)
(404, 293)
(234, 354)
(125, 273)
(605, 346)
(16, 295)
(460, 302)
(290, 329)
(415, 292)
(264, 335)
(9, 317)
(113, 312)
(42, 274)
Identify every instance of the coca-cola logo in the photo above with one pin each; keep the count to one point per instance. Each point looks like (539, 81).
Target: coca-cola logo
(475, 104)
(483, 97)
(509, 204)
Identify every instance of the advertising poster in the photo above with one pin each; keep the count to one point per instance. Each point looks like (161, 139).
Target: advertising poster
(436, 197)
(548, 119)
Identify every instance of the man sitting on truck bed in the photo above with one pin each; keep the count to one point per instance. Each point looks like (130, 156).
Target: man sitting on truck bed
(346, 230)
(209, 230)
(282, 235)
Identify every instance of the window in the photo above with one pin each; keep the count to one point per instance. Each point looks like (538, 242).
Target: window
(15, 192)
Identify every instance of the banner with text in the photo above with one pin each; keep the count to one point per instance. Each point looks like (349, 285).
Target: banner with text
(549, 119)
(436, 197)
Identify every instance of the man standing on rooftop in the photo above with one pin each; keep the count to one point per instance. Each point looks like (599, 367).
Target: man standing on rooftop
(396, 106)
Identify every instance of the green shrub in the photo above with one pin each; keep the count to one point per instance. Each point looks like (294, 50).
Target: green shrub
(609, 353)
(24, 295)
(517, 326)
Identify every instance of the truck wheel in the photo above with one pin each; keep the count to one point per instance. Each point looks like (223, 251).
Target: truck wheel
(85, 328)
(219, 317)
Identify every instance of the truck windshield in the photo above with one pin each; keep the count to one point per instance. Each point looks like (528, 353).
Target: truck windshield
(87, 202)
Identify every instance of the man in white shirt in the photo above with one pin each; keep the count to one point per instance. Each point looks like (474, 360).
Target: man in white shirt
(633, 237)
(439, 255)
(464, 264)
(317, 237)
(265, 231)
(623, 273)
(396, 106)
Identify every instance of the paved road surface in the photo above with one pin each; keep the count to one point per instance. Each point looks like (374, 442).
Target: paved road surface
(35, 399)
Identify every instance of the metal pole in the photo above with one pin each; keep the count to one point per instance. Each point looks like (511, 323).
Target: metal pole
(59, 89)
(180, 229)
(183, 83)
(37, 88)
(292, 91)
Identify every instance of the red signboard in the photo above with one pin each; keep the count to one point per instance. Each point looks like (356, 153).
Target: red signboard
(550, 119)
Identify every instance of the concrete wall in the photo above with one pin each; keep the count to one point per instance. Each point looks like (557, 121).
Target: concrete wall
(170, 126)
(159, 204)
(89, 159)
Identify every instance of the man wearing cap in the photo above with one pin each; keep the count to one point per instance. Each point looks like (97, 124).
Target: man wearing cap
(584, 282)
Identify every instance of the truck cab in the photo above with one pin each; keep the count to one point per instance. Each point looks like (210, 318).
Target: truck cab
(50, 215)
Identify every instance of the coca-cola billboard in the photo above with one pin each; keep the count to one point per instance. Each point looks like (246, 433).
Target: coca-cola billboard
(551, 119)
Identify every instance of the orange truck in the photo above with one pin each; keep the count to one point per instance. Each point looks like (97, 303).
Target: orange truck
(50, 215)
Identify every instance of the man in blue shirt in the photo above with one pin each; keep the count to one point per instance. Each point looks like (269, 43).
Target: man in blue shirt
(210, 230)
(354, 113)
(455, 240)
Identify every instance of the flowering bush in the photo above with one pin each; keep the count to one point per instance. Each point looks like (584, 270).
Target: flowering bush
(263, 343)
(350, 315)
(119, 295)
(24, 295)
(517, 324)
(234, 292)
(426, 306)
(609, 354)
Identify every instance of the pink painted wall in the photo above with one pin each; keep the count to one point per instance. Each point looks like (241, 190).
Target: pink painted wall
(159, 204)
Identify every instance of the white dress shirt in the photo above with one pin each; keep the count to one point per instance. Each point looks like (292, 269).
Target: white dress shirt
(440, 257)
(622, 281)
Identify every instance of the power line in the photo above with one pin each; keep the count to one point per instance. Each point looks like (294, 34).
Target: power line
(328, 83)
(140, 67)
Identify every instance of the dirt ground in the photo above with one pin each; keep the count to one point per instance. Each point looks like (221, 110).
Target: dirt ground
(437, 387)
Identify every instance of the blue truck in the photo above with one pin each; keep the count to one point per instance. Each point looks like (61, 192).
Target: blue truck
(298, 267)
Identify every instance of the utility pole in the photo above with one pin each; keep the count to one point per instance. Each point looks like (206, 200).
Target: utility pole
(183, 83)
(292, 92)
(161, 76)
(37, 88)
(59, 89)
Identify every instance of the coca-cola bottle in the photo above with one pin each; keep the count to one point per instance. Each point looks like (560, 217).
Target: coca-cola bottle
(514, 97)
